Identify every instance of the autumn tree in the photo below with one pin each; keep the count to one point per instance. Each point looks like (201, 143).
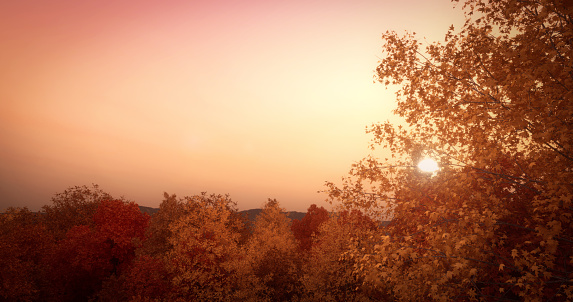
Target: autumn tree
(493, 105)
(205, 245)
(308, 226)
(123, 226)
(329, 272)
(158, 233)
(91, 253)
(74, 206)
(145, 279)
(24, 241)
(79, 264)
(269, 268)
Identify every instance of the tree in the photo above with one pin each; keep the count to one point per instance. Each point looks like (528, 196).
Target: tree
(205, 245)
(308, 226)
(123, 227)
(146, 279)
(328, 273)
(269, 268)
(24, 241)
(158, 233)
(79, 264)
(74, 206)
(493, 105)
(90, 254)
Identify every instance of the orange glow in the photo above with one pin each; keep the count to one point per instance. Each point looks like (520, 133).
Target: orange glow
(257, 99)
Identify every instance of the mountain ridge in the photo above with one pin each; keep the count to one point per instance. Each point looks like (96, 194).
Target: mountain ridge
(251, 213)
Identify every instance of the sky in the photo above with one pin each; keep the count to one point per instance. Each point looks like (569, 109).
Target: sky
(254, 98)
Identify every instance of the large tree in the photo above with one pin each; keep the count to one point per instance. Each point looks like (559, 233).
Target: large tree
(493, 105)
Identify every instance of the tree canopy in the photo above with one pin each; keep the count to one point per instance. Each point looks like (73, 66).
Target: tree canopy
(492, 104)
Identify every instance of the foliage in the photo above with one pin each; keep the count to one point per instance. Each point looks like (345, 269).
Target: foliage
(122, 226)
(328, 274)
(74, 206)
(158, 232)
(89, 254)
(146, 279)
(493, 105)
(24, 241)
(79, 264)
(205, 245)
(269, 266)
(196, 248)
(308, 226)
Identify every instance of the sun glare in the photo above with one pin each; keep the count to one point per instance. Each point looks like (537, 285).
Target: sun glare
(428, 165)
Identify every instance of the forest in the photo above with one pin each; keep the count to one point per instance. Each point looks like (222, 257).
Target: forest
(88, 246)
(491, 104)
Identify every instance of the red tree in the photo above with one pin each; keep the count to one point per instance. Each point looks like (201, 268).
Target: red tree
(357, 219)
(307, 227)
(120, 224)
(88, 255)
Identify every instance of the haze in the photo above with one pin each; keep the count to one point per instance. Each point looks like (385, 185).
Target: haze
(258, 99)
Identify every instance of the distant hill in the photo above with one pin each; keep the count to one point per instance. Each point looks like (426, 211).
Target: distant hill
(296, 215)
(251, 214)
(148, 210)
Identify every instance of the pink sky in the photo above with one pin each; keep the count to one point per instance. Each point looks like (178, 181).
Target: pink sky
(258, 99)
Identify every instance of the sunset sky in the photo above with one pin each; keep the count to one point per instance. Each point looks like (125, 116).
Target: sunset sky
(255, 98)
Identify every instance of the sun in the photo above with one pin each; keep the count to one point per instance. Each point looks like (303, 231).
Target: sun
(428, 165)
